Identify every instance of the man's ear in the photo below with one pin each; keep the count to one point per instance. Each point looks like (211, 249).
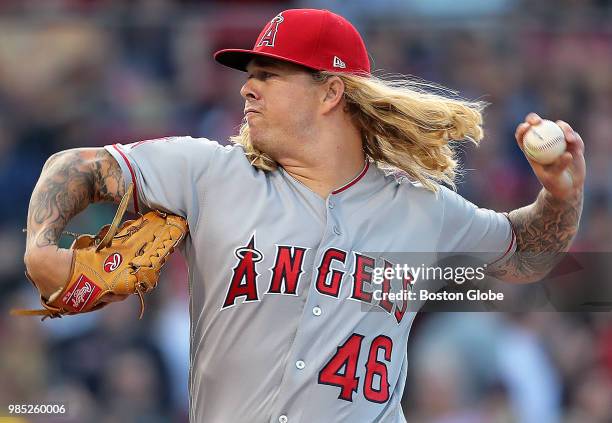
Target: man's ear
(333, 93)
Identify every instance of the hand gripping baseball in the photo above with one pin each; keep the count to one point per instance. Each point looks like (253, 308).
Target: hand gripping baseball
(565, 176)
(120, 260)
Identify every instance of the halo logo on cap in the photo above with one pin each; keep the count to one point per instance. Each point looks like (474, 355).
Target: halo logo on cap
(316, 39)
(270, 34)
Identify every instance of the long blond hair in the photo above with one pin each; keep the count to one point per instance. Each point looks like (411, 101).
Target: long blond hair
(407, 126)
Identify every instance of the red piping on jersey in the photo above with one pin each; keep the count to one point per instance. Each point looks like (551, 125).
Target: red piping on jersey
(145, 141)
(509, 246)
(127, 162)
(354, 181)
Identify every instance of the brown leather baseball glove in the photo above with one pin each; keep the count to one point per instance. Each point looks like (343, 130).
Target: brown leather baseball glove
(120, 260)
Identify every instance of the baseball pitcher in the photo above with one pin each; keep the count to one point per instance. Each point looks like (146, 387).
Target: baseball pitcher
(330, 163)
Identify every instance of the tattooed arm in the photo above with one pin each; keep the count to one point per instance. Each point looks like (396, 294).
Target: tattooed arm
(69, 182)
(545, 229)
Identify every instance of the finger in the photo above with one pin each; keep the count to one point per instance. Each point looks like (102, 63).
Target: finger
(571, 137)
(579, 142)
(559, 165)
(575, 143)
(564, 125)
(573, 146)
(579, 168)
(566, 128)
(533, 119)
(521, 130)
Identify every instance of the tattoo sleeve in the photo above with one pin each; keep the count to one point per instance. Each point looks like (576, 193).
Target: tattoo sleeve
(544, 231)
(69, 182)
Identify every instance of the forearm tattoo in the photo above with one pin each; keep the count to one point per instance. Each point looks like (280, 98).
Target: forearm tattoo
(544, 231)
(68, 183)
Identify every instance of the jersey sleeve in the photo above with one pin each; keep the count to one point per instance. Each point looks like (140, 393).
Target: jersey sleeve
(168, 173)
(467, 228)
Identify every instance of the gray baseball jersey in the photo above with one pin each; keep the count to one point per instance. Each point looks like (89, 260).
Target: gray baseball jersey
(280, 286)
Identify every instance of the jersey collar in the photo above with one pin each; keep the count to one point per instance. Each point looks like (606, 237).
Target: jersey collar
(356, 179)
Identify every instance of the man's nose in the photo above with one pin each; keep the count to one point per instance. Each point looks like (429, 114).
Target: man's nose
(248, 90)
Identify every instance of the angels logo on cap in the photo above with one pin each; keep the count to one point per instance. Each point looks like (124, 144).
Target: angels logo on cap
(316, 39)
(270, 33)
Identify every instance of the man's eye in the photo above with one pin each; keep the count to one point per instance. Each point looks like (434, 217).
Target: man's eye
(266, 75)
(262, 75)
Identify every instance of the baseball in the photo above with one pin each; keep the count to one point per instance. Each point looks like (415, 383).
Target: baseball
(545, 142)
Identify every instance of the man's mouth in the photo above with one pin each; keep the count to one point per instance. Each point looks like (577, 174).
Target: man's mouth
(250, 110)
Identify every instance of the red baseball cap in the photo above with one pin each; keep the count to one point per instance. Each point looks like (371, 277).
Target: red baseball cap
(316, 39)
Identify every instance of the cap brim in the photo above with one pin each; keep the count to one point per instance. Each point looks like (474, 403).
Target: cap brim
(239, 59)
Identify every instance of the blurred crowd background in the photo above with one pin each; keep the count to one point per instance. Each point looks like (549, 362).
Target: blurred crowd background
(77, 73)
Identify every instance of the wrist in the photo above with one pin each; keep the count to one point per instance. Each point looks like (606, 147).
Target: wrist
(573, 196)
(48, 267)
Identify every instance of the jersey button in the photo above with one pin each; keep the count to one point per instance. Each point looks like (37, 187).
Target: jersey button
(300, 364)
(337, 230)
(330, 204)
(316, 311)
(283, 419)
